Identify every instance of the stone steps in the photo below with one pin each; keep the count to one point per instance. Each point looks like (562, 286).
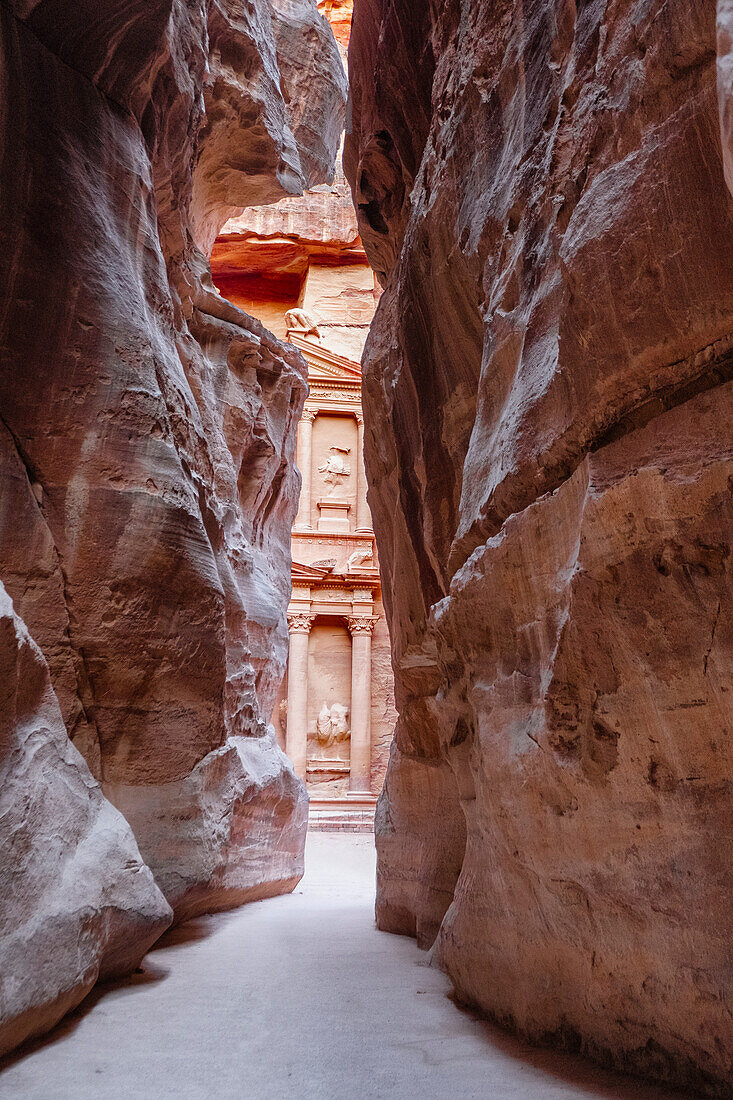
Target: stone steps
(342, 815)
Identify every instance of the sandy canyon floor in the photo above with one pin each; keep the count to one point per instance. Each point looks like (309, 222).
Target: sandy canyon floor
(298, 996)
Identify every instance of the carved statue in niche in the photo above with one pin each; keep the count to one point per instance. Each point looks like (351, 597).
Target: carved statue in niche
(335, 468)
(339, 727)
(331, 725)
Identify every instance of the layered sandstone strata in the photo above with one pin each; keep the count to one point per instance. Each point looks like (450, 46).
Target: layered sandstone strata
(301, 253)
(147, 427)
(549, 426)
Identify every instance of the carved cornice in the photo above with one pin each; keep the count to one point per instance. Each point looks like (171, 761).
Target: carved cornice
(334, 389)
(300, 622)
(361, 624)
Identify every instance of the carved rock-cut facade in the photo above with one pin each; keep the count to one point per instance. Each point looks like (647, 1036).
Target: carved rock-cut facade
(300, 267)
(548, 443)
(341, 659)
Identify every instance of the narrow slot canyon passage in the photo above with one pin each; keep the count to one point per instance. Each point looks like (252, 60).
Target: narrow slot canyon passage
(366, 478)
(297, 995)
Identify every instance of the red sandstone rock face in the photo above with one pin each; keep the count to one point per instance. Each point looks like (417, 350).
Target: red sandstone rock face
(147, 427)
(548, 446)
(78, 902)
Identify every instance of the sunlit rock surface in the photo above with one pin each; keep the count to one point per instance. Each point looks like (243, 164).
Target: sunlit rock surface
(78, 902)
(147, 426)
(548, 443)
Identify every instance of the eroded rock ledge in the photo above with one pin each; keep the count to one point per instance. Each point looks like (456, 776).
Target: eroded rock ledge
(147, 433)
(550, 412)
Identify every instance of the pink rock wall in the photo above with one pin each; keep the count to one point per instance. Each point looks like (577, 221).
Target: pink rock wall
(78, 901)
(547, 395)
(147, 427)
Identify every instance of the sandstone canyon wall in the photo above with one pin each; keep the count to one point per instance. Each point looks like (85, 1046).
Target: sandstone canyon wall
(147, 481)
(549, 406)
(78, 902)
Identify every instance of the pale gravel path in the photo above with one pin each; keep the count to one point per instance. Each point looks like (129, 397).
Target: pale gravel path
(296, 997)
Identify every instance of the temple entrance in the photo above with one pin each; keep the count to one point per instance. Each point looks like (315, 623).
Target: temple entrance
(335, 712)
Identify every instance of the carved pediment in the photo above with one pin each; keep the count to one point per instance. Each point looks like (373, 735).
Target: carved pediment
(302, 572)
(324, 365)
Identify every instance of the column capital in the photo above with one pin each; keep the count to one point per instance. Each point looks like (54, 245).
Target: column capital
(309, 415)
(361, 624)
(300, 622)
(359, 417)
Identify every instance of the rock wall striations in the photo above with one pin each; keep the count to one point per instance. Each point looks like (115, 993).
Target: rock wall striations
(78, 901)
(549, 447)
(147, 479)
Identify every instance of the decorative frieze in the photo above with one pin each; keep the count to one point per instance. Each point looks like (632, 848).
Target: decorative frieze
(317, 392)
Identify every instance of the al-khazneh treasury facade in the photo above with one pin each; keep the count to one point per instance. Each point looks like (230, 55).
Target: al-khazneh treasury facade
(335, 716)
(300, 267)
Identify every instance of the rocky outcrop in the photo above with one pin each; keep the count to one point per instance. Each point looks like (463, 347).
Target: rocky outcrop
(230, 832)
(147, 427)
(274, 108)
(548, 405)
(78, 901)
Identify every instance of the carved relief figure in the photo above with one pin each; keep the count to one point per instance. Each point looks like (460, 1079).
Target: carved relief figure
(299, 319)
(323, 725)
(359, 557)
(339, 728)
(335, 468)
(331, 725)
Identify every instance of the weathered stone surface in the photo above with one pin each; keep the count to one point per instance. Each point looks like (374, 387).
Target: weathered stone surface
(76, 900)
(274, 100)
(232, 831)
(548, 436)
(147, 427)
(301, 252)
(421, 842)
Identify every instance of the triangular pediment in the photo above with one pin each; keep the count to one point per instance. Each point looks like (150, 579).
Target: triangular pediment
(302, 572)
(324, 365)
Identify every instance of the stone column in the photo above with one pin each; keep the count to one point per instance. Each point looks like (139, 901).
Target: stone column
(296, 742)
(360, 628)
(363, 517)
(303, 520)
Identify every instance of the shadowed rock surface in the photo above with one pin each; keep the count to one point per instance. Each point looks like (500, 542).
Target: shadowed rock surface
(147, 426)
(549, 413)
(78, 901)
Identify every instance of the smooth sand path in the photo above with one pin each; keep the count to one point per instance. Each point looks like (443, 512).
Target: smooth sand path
(297, 997)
